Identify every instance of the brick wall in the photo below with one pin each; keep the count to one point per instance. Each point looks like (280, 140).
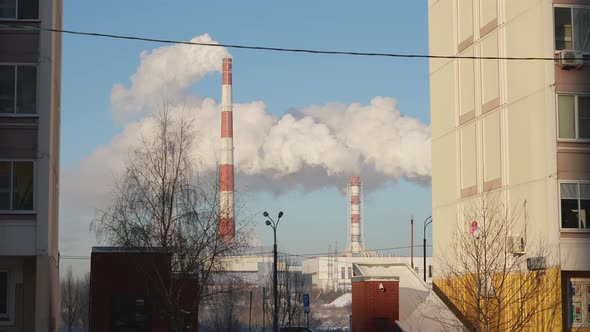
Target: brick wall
(372, 309)
(122, 275)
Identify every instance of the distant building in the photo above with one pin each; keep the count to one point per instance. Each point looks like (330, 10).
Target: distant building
(30, 94)
(516, 129)
(257, 269)
(335, 272)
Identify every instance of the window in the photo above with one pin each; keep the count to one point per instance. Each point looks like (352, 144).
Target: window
(429, 271)
(18, 89)
(575, 201)
(3, 295)
(573, 117)
(343, 273)
(579, 302)
(19, 9)
(16, 185)
(349, 272)
(572, 28)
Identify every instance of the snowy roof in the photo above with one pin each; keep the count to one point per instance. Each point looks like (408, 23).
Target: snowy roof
(366, 271)
(420, 309)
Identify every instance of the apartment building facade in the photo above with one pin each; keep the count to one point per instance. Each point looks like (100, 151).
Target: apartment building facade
(518, 129)
(30, 88)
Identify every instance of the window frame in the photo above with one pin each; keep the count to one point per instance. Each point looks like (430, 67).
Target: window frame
(38, 19)
(571, 8)
(576, 117)
(579, 229)
(16, 65)
(12, 211)
(7, 315)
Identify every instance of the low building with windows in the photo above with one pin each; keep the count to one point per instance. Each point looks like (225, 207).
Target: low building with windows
(30, 88)
(516, 130)
(335, 272)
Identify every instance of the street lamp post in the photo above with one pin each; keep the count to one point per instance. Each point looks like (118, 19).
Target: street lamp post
(427, 222)
(270, 222)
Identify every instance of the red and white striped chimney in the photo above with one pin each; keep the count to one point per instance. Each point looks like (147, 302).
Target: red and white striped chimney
(226, 169)
(355, 215)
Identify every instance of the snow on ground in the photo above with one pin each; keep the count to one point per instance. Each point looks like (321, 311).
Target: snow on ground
(343, 301)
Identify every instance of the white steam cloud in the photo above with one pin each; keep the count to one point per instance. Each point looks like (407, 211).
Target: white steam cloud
(312, 147)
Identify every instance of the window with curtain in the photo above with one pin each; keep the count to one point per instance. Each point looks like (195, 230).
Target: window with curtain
(3, 294)
(572, 28)
(574, 204)
(573, 117)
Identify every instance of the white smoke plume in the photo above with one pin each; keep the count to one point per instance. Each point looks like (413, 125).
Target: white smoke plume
(308, 148)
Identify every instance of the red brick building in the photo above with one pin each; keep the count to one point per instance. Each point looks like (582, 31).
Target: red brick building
(128, 289)
(375, 299)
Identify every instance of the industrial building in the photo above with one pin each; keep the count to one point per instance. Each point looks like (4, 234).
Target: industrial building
(30, 89)
(515, 130)
(335, 272)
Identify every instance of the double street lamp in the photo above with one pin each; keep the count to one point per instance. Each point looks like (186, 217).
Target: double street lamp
(270, 222)
(427, 222)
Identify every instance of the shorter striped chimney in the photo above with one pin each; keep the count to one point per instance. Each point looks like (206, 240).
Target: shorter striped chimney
(354, 191)
(226, 229)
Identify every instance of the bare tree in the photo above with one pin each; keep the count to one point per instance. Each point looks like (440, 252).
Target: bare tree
(223, 310)
(161, 201)
(71, 308)
(290, 288)
(84, 286)
(484, 275)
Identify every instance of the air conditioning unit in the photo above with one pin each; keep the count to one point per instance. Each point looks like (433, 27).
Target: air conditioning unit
(536, 263)
(571, 59)
(516, 245)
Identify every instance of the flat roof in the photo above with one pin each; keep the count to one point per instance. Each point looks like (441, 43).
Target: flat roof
(130, 250)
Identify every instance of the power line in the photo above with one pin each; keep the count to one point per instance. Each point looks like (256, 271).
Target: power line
(75, 257)
(311, 255)
(276, 49)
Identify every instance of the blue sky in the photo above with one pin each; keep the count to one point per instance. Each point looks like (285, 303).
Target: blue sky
(283, 81)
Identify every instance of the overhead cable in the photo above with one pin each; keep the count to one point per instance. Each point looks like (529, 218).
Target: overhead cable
(275, 49)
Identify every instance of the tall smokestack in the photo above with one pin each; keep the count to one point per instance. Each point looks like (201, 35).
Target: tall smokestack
(356, 246)
(226, 169)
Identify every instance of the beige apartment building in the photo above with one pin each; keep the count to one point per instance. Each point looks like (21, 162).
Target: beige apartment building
(30, 87)
(516, 129)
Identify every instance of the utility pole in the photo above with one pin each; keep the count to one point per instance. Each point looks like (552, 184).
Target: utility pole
(250, 317)
(263, 309)
(427, 222)
(412, 239)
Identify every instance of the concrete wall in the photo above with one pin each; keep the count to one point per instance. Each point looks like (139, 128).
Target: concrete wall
(34, 235)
